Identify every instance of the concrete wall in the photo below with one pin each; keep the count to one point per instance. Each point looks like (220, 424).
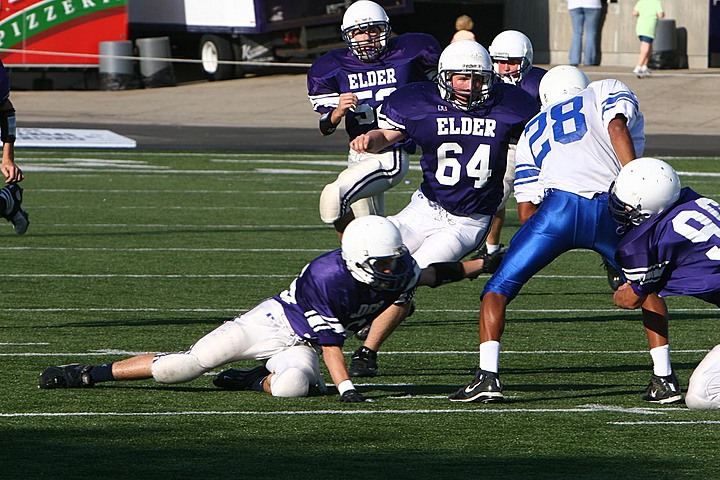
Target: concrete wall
(547, 23)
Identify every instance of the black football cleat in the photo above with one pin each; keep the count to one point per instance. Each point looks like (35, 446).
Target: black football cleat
(66, 376)
(485, 388)
(17, 216)
(663, 390)
(363, 363)
(234, 379)
(614, 278)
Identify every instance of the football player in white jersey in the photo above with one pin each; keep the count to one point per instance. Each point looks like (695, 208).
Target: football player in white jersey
(350, 84)
(566, 160)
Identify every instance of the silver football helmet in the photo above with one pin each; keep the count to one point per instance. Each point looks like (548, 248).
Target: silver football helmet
(563, 81)
(371, 245)
(512, 45)
(366, 17)
(644, 187)
(466, 57)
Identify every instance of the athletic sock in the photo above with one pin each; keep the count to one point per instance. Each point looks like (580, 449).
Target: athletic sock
(491, 248)
(661, 361)
(490, 356)
(102, 373)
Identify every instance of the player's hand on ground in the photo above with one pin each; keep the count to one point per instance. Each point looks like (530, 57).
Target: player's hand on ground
(352, 396)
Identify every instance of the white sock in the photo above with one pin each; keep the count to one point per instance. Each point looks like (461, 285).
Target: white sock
(492, 248)
(490, 356)
(661, 360)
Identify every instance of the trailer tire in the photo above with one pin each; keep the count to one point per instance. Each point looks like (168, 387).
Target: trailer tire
(215, 49)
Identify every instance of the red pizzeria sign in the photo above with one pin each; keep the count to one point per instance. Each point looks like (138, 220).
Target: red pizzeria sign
(59, 32)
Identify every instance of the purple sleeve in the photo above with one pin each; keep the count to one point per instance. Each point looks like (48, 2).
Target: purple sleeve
(4, 84)
(677, 252)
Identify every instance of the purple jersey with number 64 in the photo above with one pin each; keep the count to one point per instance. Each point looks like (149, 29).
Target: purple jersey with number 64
(464, 152)
(676, 252)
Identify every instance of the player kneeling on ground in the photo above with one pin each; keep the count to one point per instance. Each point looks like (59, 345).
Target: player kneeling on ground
(672, 247)
(334, 296)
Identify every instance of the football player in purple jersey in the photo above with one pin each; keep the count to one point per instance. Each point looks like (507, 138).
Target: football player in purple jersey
(351, 84)
(464, 124)
(11, 194)
(512, 55)
(671, 247)
(562, 205)
(333, 297)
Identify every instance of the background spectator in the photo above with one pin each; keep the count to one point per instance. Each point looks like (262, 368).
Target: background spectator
(585, 15)
(647, 12)
(464, 26)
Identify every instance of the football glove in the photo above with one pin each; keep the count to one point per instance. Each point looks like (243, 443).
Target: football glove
(351, 396)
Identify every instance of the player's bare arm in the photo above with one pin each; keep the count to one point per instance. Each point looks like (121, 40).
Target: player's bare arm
(376, 140)
(625, 297)
(335, 361)
(346, 102)
(526, 210)
(621, 139)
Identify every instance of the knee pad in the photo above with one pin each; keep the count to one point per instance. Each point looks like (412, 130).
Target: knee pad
(330, 204)
(293, 382)
(176, 368)
(360, 181)
(697, 402)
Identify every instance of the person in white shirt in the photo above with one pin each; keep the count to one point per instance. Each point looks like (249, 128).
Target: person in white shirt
(585, 16)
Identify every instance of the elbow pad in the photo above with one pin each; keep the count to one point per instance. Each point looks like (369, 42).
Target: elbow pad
(447, 272)
(7, 126)
(326, 125)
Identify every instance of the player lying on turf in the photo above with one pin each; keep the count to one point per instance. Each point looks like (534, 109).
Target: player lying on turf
(334, 296)
(672, 247)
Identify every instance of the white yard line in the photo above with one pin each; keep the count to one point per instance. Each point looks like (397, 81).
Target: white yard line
(428, 411)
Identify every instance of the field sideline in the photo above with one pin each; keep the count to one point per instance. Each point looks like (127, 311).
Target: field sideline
(131, 252)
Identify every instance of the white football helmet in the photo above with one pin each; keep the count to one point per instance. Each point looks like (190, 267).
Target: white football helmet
(509, 45)
(561, 82)
(470, 58)
(644, 187)
(369, 239)
(360, 16)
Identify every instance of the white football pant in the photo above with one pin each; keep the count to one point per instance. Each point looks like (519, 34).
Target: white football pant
(704, 390)
(263, 333)
(361, 186)
(431, 234)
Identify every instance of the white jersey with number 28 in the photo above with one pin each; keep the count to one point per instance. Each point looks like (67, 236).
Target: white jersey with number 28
(567, 145)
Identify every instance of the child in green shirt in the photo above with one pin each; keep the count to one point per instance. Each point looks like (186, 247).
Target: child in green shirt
(647, 12)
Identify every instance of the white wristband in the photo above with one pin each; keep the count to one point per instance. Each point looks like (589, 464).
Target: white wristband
(344, 386)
